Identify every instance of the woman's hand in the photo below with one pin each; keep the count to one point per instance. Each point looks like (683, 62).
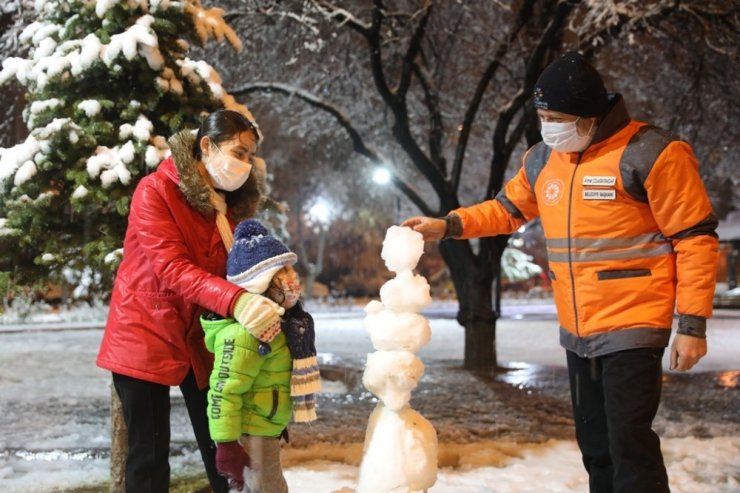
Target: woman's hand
(432, 229)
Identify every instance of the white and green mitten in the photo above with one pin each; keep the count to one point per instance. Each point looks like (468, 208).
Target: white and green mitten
(260, 316)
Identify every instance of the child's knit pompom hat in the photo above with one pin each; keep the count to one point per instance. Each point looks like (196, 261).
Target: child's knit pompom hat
(256, 256)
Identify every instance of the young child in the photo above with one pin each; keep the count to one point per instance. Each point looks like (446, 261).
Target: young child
(259, 367)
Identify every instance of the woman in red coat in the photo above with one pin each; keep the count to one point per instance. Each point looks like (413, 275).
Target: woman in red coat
(173, 268)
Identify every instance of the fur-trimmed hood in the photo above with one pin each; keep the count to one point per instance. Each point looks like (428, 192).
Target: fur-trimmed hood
(242, 203)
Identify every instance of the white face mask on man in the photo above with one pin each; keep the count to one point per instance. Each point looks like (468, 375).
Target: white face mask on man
(564, 137)
(227, 172)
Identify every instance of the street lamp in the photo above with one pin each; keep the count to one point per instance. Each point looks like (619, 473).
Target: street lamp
(318, 217)
(382, 176)
(320, 212)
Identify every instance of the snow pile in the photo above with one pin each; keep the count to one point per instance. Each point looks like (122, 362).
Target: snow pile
(400, 451)
(552, 467)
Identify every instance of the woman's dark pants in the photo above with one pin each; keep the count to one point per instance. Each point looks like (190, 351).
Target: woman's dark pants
(146, 411)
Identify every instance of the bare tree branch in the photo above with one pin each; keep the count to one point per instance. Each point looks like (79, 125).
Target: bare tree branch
(376, 58)
(402, 124)
(341, 117)
(413, 51)
(708, 30)
(608, 19)
(524, 13)
(444, 55)
(395, 101)
(307, 22)
(436, 130)
(412, 195)
(342, 16)
(503, 153)
(502, 148)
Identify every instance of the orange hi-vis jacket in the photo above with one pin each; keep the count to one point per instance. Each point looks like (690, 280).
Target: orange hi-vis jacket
(629, 230)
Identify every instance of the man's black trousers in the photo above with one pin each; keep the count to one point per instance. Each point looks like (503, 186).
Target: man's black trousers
(615, 398)
(146, 411)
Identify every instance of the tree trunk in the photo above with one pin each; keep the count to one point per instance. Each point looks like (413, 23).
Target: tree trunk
(480, 345)
(118, 444)
(473, 276)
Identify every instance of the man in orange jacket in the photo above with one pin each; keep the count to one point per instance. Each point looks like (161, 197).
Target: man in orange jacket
(630, 235)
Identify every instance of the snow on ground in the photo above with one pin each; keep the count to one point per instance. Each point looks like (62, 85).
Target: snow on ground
(551, 467)
(54, 368)
(694, 466)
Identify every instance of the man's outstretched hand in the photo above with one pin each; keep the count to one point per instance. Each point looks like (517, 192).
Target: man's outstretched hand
(432, 229)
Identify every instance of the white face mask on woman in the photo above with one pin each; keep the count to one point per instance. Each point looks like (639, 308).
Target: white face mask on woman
(564, 137)
(227, 172)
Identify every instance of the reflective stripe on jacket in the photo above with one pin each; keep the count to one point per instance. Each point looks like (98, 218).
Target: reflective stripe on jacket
(629, 230)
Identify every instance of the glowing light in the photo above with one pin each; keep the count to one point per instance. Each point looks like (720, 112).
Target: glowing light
(381, 176)
(320, 212)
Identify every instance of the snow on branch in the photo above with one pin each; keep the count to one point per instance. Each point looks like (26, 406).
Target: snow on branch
(14, 157)
(602, 14)
(110, 164)
(103, 6)
(304, 20)
(139, 39)
(605, 18)
(342, 16)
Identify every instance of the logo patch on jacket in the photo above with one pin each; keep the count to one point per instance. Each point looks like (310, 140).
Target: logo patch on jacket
(552, 191)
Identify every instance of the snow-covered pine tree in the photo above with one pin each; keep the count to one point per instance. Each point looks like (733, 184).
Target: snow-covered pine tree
(107, 81)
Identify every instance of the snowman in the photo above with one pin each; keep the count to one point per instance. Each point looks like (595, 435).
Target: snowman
(400, 451)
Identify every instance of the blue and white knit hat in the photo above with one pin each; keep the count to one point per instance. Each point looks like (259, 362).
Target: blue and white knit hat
(256, 256)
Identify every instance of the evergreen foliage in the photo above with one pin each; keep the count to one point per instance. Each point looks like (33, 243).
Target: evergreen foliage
(106, 82)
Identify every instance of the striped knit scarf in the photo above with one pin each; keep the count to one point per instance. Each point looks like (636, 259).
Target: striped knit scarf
(305, 380)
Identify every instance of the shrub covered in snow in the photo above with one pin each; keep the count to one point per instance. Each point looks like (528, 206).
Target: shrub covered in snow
(106, 82)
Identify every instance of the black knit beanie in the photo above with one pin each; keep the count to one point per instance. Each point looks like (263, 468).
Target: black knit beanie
(571, 85)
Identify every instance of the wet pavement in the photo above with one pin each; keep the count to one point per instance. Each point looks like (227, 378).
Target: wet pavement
(528, 398)
(520, 402)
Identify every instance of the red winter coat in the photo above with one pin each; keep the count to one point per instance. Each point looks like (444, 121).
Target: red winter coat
(173, 269)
